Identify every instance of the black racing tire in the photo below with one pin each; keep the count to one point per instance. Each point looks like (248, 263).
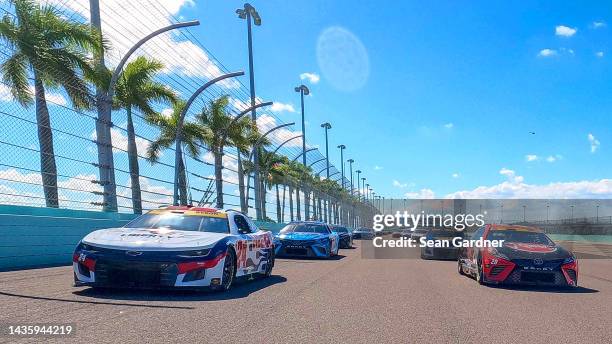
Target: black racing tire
(229, 272)
(329, 251)
(270, 264)
(480, 278)
(460, 268)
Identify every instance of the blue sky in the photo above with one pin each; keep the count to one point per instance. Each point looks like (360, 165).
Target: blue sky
(431, 99)
(453, 88)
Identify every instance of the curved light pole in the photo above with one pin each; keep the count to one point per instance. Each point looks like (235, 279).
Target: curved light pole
(285, 142)
(313, 163)
(104, 119)
(358, 185)
(301, 154)
(243, 202)
(252, 153)
(333, 174)
(351, 161)
(327, 126)
(324, 168)
(304, 91)
(342, 148)
(179, 127)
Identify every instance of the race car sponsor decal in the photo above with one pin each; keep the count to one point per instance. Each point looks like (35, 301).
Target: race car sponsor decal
(241, 253)
(530, 247)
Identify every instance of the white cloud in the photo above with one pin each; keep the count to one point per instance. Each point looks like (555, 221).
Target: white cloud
(5, 93)
(531, 157)
(594, 142)
(547, 53)
(377, 168)
(511, 175)
(449, 125)
(311, 77)
(279, 107)
(599, 54)
(399, 184)
(514, 187)
(421, 194)
(553, 158)
(455, 175)
(598, 24)
(565, 31)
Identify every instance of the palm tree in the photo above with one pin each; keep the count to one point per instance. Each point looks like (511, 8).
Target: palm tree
(254, 140)
(192, 135)
(214, 120)
(55, 53)
(137, 89)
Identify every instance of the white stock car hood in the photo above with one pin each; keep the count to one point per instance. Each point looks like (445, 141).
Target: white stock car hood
(147, 239)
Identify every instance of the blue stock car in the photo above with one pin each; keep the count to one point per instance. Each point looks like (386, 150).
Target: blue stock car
(307, 239)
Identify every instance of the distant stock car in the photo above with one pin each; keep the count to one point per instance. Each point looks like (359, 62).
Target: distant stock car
(345, 235)
(363, 233)
(307, 239)
(528, 256)
(444, 235)
(175, 247)
(418, 233)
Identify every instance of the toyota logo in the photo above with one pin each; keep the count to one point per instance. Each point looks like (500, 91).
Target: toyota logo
(538, 261)
(133, 253)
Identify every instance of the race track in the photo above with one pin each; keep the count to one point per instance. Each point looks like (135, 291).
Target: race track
(349, 299)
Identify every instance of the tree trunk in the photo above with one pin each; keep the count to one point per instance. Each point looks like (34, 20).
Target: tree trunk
(283, 207)
(48, 168)
(219, 176)
(320, 212)
(263, 200)
(182, 183)
(306, 202)
(297, 203)
(132, 152)
(278, 206)
(243, 202)
(291, 203)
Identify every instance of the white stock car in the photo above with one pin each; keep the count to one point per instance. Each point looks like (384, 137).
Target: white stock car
(175, 247)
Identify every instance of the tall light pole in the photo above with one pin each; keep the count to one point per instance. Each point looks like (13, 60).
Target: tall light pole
(304, 91)
(365, 192)
(249, 13)
(342, 148)
(358, 185)
(351, 161)
(327, 126)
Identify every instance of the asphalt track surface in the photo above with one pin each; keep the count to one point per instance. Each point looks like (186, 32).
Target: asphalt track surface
(350, 299)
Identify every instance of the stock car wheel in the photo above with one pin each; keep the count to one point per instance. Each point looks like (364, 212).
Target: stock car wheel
(270, 264)
(229, 272)
(479, 274)
(460, 268)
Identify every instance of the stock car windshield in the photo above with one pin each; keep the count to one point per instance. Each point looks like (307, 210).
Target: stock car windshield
(305, 228)
(520, 237)
(181, 222)
(340, 229)
(444, 233)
